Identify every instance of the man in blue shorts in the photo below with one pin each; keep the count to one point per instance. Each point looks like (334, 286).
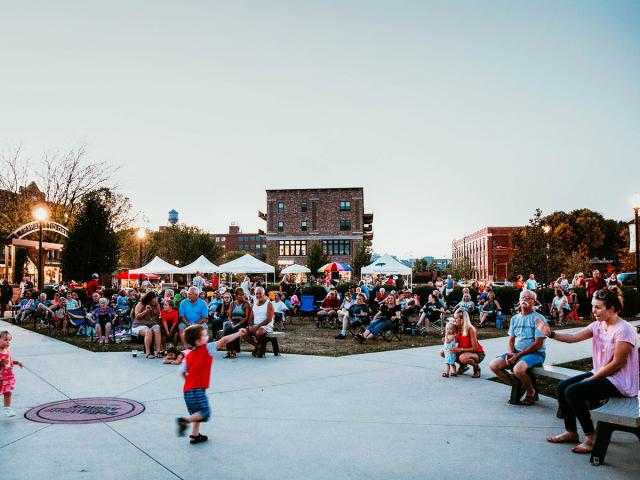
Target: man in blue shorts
(526, 346)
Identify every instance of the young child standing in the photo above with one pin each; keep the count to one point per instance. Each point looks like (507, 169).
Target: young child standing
(7, 378)
(196, 370)
(450, 343)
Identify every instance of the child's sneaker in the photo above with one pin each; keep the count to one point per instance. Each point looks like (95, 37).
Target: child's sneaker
(8, 412)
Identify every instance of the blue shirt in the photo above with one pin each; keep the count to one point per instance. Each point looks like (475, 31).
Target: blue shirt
(523, 328)
(530, 284)
(365, 290)
(214, 303)
(193, 312)
(122, 303)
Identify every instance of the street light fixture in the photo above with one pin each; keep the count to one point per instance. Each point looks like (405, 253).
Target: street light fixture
(40, 214)
(141, 233)
(635, 204)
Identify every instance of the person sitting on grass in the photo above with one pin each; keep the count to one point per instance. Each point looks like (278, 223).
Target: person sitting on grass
(146, 323)
(615, 367)
(103, 317)
(466, 304)
(526, 346)
(347, 301)
(279, 308)
(262, 321)
(357, 312)
(490, 309)
(431, 311)
(196, 370)
(388, 313)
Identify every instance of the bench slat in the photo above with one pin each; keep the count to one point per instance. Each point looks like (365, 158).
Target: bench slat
(619, 411)
(276, 335)
(559, 373)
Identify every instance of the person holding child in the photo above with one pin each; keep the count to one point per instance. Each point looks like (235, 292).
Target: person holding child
(196, 371)
(7, 378)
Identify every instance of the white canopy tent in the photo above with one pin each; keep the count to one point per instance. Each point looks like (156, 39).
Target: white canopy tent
(157, 266)
(387, 265)
(202, 265)
(295, 268)
(248, 264)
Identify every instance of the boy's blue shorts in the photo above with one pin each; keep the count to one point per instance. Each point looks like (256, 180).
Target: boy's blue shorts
(531, 359)
(198, 402)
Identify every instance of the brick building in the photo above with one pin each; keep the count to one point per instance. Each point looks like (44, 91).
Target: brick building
(237, 240)
(489, 251)
(333, 216)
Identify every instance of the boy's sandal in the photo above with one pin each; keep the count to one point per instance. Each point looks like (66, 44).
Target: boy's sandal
(198, 438)
(150, 356)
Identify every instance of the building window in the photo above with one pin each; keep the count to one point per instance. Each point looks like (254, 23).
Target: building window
(281, 226)
(303, 207)
(345, 225)
(337, 247)
(280, 207)
(345, 206)
(292, 248)
(303, 226)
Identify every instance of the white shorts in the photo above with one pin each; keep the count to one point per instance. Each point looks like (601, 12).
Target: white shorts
(136, 331)
(267, 328)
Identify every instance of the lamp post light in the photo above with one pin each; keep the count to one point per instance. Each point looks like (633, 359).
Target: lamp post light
(40, 214)
(546, 229)
(140, 234)
(635, 204)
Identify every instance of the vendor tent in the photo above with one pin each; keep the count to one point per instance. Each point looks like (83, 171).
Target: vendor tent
(295, 268)
(387, 265)
(135, 276)
(202, 265)
(247, 264)
(157, 266)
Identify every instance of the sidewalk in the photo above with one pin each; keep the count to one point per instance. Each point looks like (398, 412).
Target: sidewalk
(387, 415)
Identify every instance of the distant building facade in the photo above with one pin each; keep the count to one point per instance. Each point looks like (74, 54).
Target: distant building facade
(333, 216)
(489, 251)
(254, 243)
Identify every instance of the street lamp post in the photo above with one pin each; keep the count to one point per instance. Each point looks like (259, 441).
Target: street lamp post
(140, 234)
(546, 230)
(635, 203)
(40, 214)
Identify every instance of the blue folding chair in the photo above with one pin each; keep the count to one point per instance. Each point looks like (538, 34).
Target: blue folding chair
(307, 305)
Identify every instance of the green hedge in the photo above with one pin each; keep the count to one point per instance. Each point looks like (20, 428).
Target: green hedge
(317, 291)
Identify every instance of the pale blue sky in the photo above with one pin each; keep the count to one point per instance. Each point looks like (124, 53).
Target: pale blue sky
(451, 115)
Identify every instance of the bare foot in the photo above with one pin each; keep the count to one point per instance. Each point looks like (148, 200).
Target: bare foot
(584, 447)
(566, 437)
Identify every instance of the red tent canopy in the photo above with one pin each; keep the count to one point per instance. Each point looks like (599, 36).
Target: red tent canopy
(135, 276)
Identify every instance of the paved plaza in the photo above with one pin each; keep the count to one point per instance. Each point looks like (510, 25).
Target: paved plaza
(384, 415)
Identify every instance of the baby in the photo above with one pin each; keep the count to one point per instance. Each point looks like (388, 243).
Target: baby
(450, 343)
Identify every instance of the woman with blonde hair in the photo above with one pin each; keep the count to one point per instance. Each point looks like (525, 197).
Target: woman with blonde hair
(469, 350)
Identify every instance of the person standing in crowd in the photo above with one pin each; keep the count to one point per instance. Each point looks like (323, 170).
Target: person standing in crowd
(448, 284)
(198, 282)
(594, 284)
(6, 294)
(519, 283)
(563, 283)
(93, 285)
(615, 367)
(531, 283)
(246, 286)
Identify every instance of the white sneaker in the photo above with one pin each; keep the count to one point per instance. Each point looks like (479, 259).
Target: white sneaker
(8, 412)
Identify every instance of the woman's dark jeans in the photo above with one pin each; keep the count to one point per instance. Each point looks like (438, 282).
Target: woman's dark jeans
(574, 395)
(228, 330)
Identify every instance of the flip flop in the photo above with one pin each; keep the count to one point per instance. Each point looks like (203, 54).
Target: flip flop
(558, 439)
(150, 356)
(527, 400)
(582, 450)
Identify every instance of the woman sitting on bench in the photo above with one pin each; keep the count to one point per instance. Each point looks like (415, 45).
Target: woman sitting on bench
(615, 367)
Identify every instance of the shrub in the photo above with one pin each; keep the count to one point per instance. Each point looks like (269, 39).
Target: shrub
(317, 291)
(345, 287)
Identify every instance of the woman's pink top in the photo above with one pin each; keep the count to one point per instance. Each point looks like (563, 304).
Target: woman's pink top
(604, 343)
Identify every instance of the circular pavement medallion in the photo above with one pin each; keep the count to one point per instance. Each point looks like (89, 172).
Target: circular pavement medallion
(85, 410)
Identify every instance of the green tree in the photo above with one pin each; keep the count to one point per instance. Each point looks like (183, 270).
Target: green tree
(362, 258)
(231, 255)
(92, 245)
(315, 256)
(420, 265)
(462, 268)
(180, 243)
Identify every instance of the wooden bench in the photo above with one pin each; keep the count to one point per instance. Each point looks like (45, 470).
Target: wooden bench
(621, 414)
(550, 371)
(273, 339)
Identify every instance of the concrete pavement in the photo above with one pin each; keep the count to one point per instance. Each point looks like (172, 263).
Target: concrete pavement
(385, 415)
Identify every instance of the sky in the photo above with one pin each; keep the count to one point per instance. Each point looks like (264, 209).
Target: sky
(453, 115)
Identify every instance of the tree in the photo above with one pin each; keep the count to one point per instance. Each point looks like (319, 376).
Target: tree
(232, 255)
(420, 265)
(92, 245)
(272, 257)
(462, 268)
(316, 257)
(181, 243)
(362, 258)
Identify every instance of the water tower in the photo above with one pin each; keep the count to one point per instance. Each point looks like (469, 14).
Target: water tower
(173, 217)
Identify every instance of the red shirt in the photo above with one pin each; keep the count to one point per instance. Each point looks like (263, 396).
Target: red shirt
(594, 285)
(520, 284)
(92, 286)
(169, 317)
(329, 302)
(198, 363)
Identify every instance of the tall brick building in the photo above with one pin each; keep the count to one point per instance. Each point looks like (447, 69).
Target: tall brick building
(333, 216)
(489, 251)
(237, 240)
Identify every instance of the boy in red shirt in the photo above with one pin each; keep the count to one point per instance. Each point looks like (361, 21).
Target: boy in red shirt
(196, 370)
